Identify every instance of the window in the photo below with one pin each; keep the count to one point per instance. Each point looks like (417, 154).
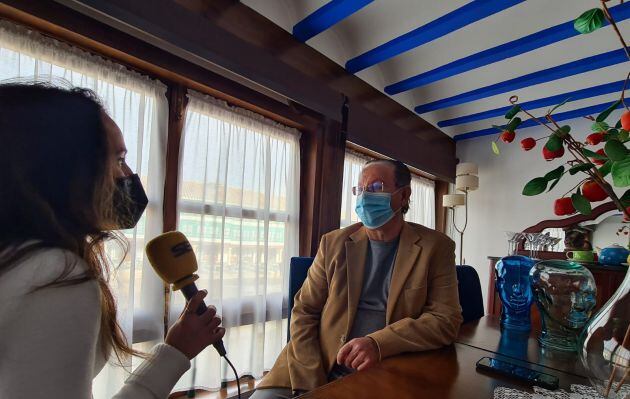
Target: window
(352, 165)
(421, 206)
(422, 203)
(138, 105)
(239, 206)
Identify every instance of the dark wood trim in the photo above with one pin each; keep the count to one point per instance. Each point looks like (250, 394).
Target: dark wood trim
(441, 213)
(235, 37)
(571, 221)
(64, 24)
(321, 180)
(566, 222)
(178, 101)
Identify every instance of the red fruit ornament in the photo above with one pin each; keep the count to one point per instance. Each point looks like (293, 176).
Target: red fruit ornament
(528, 143)
(625, 219)
(563, 206)
(599, 161)
(551, 155)
(508, 136)
(625, 121)
(595, 138)
(593, 192)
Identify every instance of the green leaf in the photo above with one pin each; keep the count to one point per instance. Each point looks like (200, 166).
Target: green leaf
(555, 174)
(615, 150)
(599, 126)
(618, 124)
(581, 204)
(514, 123)
(554, 143)
(580, 168)
(605, 114)
(513, 111)
(591, 154)
(623, 135)
(535, 186)
(495, 148)
(605, 168)
(620, 172)
(589, 21)
(625, 198)
(558, 106)
(553, 184)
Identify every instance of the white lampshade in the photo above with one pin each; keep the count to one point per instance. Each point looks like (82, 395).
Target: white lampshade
(466, 168)
(451, 200)
(466, 183)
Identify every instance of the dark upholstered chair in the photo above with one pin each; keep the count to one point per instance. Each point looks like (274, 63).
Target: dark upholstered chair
(298, 270)
(470, 298)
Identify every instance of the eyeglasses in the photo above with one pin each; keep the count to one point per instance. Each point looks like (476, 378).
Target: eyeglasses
(375, 187)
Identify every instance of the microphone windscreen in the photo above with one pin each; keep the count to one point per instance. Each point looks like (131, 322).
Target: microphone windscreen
(173, 258)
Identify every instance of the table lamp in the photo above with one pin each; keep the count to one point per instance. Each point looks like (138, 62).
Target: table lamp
(466, 180)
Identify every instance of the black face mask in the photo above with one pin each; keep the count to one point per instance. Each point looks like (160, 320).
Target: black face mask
(130, 200)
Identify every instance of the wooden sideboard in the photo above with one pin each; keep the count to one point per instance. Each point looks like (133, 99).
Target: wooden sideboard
(607, 279)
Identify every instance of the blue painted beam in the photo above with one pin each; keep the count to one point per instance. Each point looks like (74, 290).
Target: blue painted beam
(561, 116)
(326, 16)
(581, 94)
(507, 50)
(470, 13)
(546, 75)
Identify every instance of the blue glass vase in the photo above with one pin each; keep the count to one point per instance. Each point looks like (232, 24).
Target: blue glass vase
(514, 288)
(565, 295)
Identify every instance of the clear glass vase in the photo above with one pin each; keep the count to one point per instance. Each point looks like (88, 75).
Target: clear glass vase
(513, 286)
(565, 296)
(605, 345)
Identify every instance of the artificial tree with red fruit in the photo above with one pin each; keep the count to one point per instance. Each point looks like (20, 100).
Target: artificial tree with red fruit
(611, 162)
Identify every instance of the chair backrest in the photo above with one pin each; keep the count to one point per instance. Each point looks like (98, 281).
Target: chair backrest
(298, 269)
(470, 297)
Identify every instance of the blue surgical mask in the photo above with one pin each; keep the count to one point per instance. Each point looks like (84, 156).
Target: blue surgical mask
(374, 209)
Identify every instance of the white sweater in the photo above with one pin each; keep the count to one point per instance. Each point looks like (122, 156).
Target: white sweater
(49, 338)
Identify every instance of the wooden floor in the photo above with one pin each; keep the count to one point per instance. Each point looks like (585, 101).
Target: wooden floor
(247, 384)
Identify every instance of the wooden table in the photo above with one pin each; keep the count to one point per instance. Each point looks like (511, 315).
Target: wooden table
(450, 372)
(485, 334)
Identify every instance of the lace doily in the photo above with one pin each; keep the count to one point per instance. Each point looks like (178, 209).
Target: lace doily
(577, 392)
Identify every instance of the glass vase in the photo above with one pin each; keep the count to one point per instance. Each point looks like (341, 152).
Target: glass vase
(513, 286)
(605, 345)
(565, 295)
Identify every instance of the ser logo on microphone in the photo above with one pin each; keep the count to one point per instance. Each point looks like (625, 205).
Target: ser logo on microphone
(181, 249)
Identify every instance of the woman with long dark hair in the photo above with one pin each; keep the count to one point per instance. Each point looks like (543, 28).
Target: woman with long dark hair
(64, 190)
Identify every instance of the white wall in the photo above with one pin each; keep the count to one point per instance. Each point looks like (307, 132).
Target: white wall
(498, 206)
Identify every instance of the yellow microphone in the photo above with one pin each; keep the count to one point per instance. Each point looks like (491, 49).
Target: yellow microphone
(173, 259)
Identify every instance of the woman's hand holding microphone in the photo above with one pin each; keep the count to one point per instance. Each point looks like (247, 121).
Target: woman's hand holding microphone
(192, 333)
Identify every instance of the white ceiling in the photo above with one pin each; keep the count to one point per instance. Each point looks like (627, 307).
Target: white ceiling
(383, 20)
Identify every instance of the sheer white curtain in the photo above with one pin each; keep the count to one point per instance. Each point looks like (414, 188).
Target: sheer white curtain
(422, 203)
(352, 165)
(239, 206)
(139, 107)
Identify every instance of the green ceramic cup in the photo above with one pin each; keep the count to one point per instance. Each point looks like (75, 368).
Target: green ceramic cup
(584, 256)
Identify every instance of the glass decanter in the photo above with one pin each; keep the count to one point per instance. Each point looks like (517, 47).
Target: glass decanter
(605, 345)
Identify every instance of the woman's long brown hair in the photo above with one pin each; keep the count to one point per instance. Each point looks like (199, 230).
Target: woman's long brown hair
(57, 186)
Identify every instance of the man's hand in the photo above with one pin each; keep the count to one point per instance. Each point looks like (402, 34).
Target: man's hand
(359, 354)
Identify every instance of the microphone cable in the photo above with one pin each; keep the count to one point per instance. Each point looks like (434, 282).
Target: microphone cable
(238, 382)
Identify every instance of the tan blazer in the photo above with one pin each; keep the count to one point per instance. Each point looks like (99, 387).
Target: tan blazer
(423, 309)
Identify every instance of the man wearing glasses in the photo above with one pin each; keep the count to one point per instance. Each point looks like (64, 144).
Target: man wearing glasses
(376, 289)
